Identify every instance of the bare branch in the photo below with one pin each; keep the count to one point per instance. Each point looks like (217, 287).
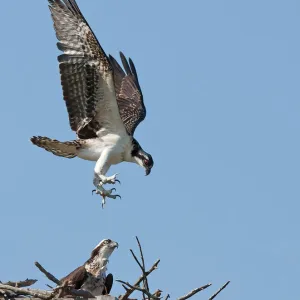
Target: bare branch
(125, 287)
(28, 292)
(219, 290)
(140, 289)
(49, 286)
(143, 271)
(48, 275)
(135, 258)
(22, 283)
(130, 291)
(195, 291)
(146, 285)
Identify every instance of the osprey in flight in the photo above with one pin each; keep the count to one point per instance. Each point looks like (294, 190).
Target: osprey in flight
(104, 102)
(92, 275)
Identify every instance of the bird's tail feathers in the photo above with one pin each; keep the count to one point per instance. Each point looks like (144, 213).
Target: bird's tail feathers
(64, 149)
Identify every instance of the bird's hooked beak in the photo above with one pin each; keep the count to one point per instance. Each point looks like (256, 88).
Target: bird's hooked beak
(148, 171)
(114, 245)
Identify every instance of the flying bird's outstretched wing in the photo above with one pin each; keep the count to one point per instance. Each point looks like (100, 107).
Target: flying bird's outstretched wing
(86, 73)
(129, 95)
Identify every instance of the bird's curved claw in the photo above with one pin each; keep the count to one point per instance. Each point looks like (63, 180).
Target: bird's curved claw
(118, 196)
(113, 189)
(117, 180)
(93, 192)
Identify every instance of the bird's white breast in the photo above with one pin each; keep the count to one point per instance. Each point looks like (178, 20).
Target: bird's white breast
(116, 144)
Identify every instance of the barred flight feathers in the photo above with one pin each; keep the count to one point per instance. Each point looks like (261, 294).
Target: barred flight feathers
(64, 149)
(129, 95)
(81, 67)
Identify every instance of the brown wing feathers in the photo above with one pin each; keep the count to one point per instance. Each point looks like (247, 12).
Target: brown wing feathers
(108, 284)
(129, 94)
(80, 65)
(76, 277)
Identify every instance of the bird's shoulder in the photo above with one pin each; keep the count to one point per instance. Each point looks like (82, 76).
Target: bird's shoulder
(76, 277)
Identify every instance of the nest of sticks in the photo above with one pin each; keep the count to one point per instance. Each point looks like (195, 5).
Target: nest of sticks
(20, 289)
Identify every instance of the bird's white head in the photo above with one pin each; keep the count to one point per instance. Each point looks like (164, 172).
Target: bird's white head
(99, 257)
(104, 249)
(141, 157)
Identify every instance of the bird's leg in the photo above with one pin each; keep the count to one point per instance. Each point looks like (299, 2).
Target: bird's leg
(105, 194)
(102, 166)
(111, 179)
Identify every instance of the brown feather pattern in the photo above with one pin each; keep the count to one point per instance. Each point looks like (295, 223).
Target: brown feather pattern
(76, 277)
(64, 149)
(129, 95)
(80, 66)
(80, 275)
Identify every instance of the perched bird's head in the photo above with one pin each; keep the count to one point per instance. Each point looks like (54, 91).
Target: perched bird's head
(99, 257)
(141, 157)
(104, 249)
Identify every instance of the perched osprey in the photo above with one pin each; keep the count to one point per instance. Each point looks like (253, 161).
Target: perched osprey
(104, 102)
(92, 275)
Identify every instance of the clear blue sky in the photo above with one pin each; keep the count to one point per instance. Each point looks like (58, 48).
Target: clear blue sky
(221, 84)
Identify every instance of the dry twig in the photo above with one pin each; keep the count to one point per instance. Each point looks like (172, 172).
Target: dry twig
(151, 296)
(131, 290)
(125, 287)
(146, 285)
(195, 291)
(167, 297)
(49, 286)
(28, 292)
(219, 290)
(48, 275)
(143, 271)
(22, 283)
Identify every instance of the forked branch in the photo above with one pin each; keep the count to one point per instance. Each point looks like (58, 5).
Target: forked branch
(146, 285)
(137, 288)
(145, 289)
(137, 283)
